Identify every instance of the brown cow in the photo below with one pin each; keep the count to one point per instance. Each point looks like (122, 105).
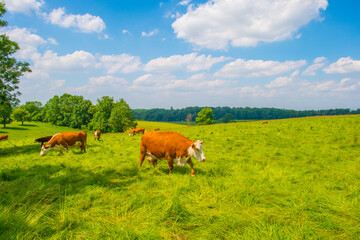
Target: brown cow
(97, 134)
(156, 129)
(171, 146)
(65, 140)
(136, 131)
(266, 122)
(4, 137)
(43, 140)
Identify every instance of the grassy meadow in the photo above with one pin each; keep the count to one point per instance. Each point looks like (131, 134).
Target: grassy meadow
(288, 179)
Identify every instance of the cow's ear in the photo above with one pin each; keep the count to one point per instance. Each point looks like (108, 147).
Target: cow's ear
(202, 141)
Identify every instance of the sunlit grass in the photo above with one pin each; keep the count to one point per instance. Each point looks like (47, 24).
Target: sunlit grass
(288, 179)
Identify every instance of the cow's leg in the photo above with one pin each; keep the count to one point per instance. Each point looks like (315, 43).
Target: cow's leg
(170, 163)
(142, 154)
(190, 162)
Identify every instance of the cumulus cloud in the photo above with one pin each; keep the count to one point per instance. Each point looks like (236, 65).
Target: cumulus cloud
(122, 63)
(169, 83)
(257, 68)
(190, 62)
(28, 42)
(151, 33)
(84, 23)
(77, 61)
(23, 6)
(317, 64)
(344, 65)
(245, 23)
(282, 81)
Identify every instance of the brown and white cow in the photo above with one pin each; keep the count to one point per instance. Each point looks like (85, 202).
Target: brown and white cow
(136, 131)
(4, 137)
(157, 129)
(97, 134)
(172, 146)
(43, 140)
(65, 140)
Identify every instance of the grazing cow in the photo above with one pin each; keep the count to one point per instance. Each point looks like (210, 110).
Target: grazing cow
(266, 122)
(156, 129)
(65, 140)
(136, 131)
(171, 146)
(43, 140)
(4, 137)
(97, 134)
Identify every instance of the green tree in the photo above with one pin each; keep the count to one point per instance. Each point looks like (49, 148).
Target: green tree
(121, 117)
(10, 69)
(20, 114)
(100, 120)
(228, 118)
(5, 113)
(34, 109)
(205, 117)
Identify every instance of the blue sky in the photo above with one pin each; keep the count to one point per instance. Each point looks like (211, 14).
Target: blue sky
(159, 54)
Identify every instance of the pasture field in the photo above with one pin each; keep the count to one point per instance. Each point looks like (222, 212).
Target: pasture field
(288, 179)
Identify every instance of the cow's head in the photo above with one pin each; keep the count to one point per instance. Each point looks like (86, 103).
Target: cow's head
(44, 150)
(196, 151)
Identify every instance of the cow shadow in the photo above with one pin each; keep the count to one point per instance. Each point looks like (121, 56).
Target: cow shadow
(24, 149)
(186, 170)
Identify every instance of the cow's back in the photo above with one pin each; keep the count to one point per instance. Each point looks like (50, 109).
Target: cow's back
(161, 143)
(70, 138)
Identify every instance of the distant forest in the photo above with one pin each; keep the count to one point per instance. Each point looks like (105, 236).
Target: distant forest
(227, 114)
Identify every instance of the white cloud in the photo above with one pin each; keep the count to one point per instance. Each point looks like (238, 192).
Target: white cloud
(77, 61)
(169, 83)
(257, 68)
(245, 22)
(318, 63)
(184, 2)
(84, 23)
(190, 62)
(344, 65)
(282, 81)
(122, 63)
(28, 42)
(23, 6)
(149, 34)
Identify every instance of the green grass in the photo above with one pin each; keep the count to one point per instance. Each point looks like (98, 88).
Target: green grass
(288, 179)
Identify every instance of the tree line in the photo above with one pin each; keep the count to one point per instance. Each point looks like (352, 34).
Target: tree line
(76, 112)
(227, 114)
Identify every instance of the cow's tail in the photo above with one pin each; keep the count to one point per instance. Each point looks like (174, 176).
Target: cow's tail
(142, 154)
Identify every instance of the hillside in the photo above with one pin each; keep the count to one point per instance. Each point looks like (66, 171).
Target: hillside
(288, 179)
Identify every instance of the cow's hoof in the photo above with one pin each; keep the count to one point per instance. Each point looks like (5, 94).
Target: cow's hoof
(192, 175)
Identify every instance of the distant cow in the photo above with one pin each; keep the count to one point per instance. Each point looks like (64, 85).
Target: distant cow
(156, 129)
(97, 134)
(43, 140)
(65, 140)
(266, 122)
(173, 147)
(4, 137)
(136, 131)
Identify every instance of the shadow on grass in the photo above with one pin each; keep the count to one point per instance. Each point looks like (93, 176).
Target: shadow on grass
(47, 187)
(24, 149)
(16, 128)
(29, 125)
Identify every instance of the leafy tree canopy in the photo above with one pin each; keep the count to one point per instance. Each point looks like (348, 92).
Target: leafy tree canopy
(10, 69)
(205, 117)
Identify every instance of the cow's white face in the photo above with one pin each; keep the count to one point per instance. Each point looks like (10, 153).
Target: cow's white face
(44, 150)
(196, 150)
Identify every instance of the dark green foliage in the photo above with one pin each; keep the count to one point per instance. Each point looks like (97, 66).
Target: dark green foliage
(20, 115)
(121, 117)
(5, 112)
(238, 113)
(10, 69)
(34, 109)
(205, 117)
(68, 110)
